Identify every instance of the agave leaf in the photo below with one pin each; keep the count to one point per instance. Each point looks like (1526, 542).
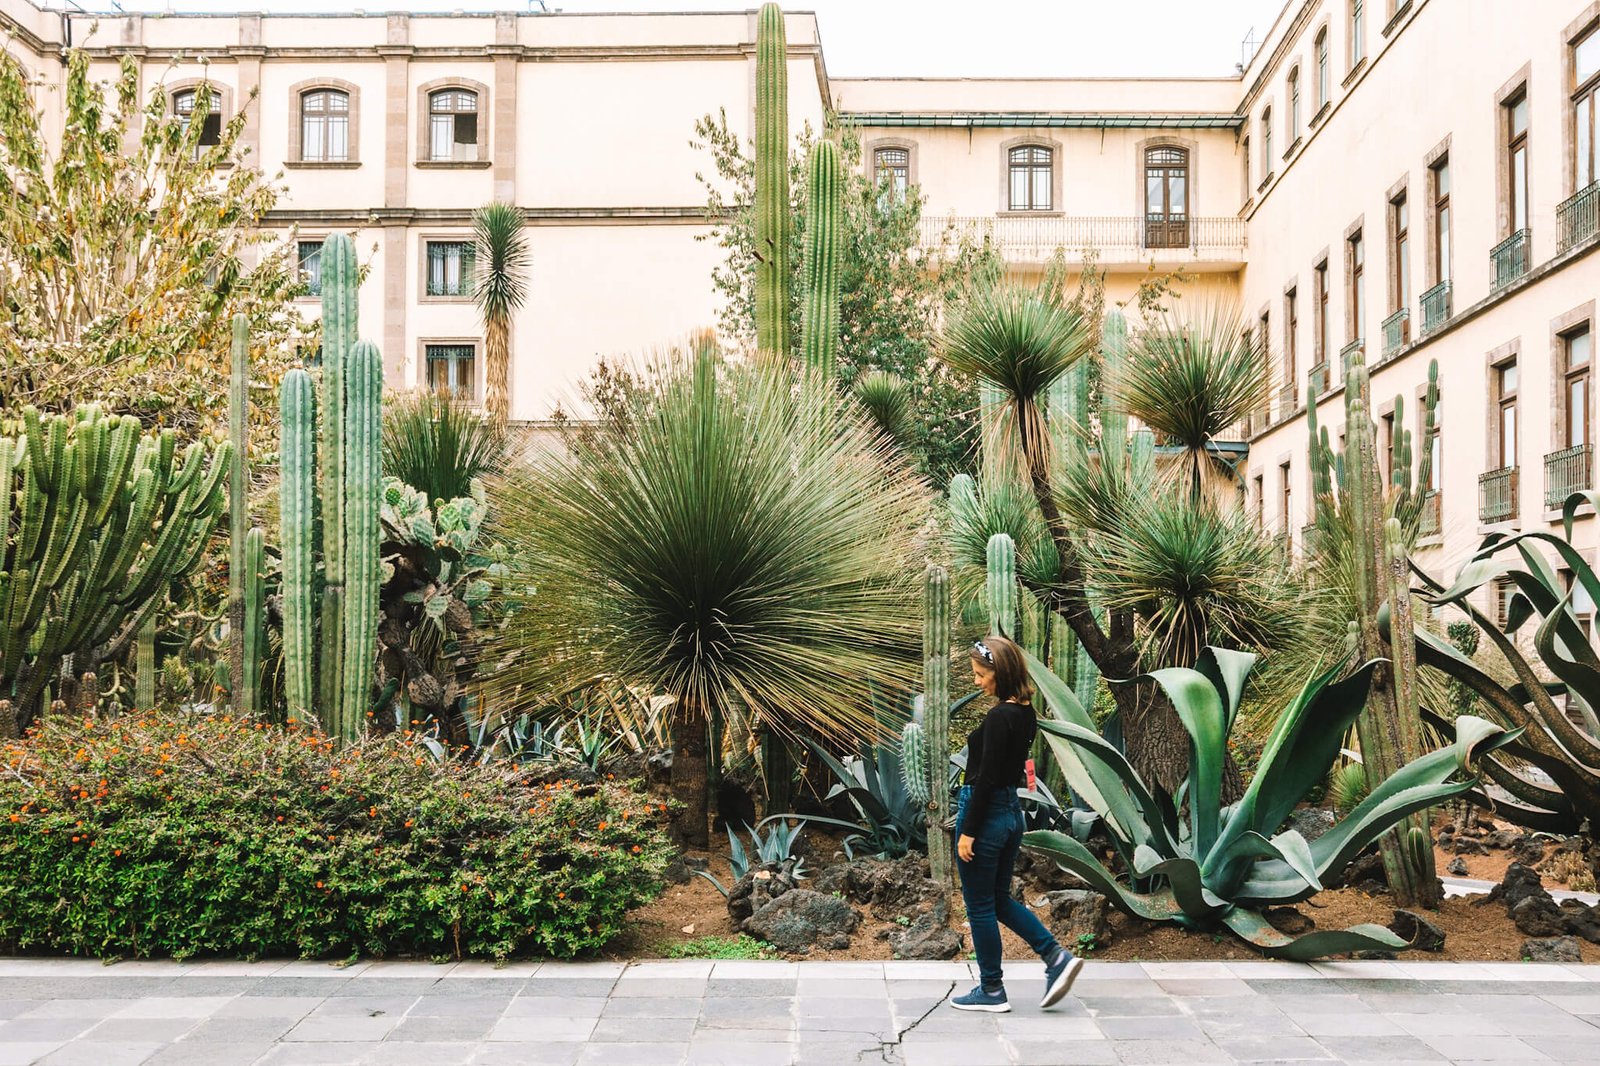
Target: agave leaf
(1229, 672)
(1251, 926)
(1184, 880)
(1161, 906)
(1129, 808)
(1200, 709)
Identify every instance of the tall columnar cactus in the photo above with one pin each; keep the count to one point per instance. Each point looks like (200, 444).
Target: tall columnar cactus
(1113, 357)
(247, 694)
(772, 182)
(346, 471)
(914, 760)
(144, 665)
(107, 517)
(936, 715)
(1002, 585)
(1377, 522)
(238, 505)
(297, 508)
(824, 256)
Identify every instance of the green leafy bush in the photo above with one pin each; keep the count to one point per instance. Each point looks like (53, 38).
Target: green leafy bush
(217, 836)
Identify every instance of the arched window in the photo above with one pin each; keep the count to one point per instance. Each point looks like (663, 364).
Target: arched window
(1323, 86)
(325, 126)
(185, 105)
(1294, 105)
(1031, 169)
(891, 168)
(1166, 197)
(453, 125)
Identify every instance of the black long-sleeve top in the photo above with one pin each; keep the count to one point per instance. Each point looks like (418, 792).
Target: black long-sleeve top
(997, 754)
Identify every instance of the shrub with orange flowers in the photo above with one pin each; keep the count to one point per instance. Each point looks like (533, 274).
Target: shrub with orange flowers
(183, 836)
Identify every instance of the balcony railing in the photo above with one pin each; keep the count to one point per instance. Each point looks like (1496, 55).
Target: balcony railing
(1113, 238)
(1288, 398)
(1308, 538)
(1317, 378)
(1436, 307)
(1497, 495)
(1510, 258)
(1578, 217)
(1431, 519)
(1566, 472)
(1348, 355)
(1396, 331)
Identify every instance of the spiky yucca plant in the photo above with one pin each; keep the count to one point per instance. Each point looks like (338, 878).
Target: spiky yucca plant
(887, 401)
(745, 540)
(1188, 377)
(499, 289)
(437, 447)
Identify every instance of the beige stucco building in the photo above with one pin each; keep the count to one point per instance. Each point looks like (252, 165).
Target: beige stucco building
(1415, 178)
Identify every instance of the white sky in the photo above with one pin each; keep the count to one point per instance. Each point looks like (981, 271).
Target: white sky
(940, 38)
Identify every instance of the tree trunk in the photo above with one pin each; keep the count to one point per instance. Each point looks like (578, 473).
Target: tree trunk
(688, 781)
(497, 373)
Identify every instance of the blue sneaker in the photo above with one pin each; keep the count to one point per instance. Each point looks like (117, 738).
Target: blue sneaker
(978, 999)
(1058, 978)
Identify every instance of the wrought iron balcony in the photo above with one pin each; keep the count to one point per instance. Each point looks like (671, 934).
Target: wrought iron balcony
(1578, 218)
(1497, 495)
(1288, 399)
(1348, 355)
(1511, 258)
(1566, 472)
(1113, 239)
(1317, 378)
(1396, 331)
(1430, 520)
(1436, 307)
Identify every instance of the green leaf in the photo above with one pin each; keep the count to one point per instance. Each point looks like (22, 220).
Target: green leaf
(1200, 709)
(1252, 927)
(1155, 906)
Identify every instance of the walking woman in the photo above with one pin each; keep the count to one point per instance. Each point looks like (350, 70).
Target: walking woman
(989, 830)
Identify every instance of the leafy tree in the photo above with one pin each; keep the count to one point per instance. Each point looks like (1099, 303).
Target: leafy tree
(124, 251)
(892, 294)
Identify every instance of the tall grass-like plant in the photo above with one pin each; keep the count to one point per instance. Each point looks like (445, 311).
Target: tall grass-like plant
(500, 289)
(744, 542)
(438, 447)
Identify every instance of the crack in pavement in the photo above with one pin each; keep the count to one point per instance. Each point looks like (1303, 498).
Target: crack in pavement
(888, 1049)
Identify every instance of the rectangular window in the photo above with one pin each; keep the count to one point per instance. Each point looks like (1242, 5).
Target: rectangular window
(310, 256)
(1031, 173)
(1321, 323)
(1386, 452)
(1502, 590)
(893, 174)
(1358, 32)
(451, 371)
(1436, 456)
(1291, 344)
(1294, 105)
(1517, 160)
(1578, 352)
(1266, 144)
(1505, 379)
(1244, 161)
(1323, 82)
(1261, 501)
(1439, 175)
(1358, 288)
(1286, 500)
(1400, 250)
(450, 268)
(1586, 90)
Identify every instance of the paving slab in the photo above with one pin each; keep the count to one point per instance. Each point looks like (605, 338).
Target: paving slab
(758, 1013)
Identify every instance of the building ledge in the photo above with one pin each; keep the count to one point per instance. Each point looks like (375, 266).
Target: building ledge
(454, 164)
(1322, 113)
(1293, 148)
(1355, 72)
(322, 164)
(1266, 181)
(1399, 16)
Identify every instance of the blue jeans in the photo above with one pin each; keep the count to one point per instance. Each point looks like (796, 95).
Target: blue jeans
(986, 885)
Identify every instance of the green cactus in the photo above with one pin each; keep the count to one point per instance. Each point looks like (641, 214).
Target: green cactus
(107, 518)
(297, 515)
(363, 442)
(936, 714)
(1113, 356)
(144, 665)
(772, 182)
(914, 761)
(238, 506)
(824, 257)
(247, 685)
(1002, 585)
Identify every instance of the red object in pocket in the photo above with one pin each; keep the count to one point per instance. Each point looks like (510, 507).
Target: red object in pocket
(1033, 780)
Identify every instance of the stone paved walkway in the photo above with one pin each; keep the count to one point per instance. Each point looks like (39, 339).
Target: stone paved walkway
(759, 1013)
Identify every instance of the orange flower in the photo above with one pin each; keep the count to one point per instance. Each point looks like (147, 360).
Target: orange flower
(408, 823)
(602, 825)
(118, 851)
(636, 849)
(372, 812)
(319, 884)
(561, 895)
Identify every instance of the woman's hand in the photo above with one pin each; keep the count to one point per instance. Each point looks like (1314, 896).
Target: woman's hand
(964, 848)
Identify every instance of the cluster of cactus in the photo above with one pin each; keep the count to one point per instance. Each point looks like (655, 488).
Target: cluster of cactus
(340, 479)
(936, 716)
(108, 516)
(772, 181)
(1356, 512)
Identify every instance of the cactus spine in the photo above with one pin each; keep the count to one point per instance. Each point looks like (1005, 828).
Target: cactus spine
(824, 257)
(238, 510)
(1002, 585)
(297, 508)
(914, 761)
(936, 716)
(144, 666)
(772, 182)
